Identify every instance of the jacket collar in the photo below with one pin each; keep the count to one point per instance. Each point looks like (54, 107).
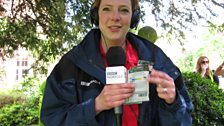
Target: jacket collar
(87, 55)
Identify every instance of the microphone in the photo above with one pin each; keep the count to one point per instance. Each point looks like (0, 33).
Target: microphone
(116, 73)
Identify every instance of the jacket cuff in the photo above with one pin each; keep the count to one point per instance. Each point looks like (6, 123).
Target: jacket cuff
(90, 113)
(174, 106)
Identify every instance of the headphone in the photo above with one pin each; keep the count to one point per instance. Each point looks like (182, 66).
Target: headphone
(134, 19)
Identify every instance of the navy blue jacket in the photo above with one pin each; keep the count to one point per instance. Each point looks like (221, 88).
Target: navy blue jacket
(79, 77)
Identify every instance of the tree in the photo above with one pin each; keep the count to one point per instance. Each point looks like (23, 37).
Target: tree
(177, 17)
(49, 28)
(40, 26)
(210, 45)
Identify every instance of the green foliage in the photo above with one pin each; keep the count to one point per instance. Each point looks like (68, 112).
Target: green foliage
(29, 86)
(20, 114)
(44, 30)
(20, 107)
(134, 30)
(41, 92)
(211, 46)
(215, 37)
(187, 63)
(207, 99)
(177, 21)
(11, 97)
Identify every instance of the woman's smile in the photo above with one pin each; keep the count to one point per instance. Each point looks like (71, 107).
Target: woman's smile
(115, 28)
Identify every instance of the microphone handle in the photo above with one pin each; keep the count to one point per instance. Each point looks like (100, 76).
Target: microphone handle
(118, 114)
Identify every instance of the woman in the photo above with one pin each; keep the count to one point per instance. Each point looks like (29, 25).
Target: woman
(76, 92)
(203, 68)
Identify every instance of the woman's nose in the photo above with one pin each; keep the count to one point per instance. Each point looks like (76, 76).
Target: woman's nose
(115, 16)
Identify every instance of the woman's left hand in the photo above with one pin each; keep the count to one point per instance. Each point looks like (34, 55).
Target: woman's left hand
(165, 85)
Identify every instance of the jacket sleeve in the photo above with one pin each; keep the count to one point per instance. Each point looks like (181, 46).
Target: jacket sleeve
(178, 113)
(60, 106)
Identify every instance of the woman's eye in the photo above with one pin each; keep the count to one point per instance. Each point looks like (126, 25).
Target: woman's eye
(106, 9)
(124, 10)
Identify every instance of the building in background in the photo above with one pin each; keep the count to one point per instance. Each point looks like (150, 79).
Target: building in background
(13, 69)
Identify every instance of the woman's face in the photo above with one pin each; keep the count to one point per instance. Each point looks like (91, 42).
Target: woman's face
(205, 63)
(115, 19)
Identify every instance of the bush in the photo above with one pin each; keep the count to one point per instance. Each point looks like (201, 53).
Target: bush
(41, 92)
(20, 114)
(208, 100)
(20, 106)
(11, 98)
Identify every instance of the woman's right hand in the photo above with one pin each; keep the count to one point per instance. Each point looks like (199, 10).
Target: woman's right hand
(113, 95)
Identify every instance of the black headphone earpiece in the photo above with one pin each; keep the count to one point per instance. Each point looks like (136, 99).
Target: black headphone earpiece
(94, 15)
(134, 19)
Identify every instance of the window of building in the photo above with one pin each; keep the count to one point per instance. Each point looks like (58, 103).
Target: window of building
(17, 74)
(17, 62)
(1, 53)
(22, 67)
(24, 62)
(24, 72)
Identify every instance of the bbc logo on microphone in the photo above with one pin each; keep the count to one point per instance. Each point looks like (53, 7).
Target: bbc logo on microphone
(116, 75)
(111, 73)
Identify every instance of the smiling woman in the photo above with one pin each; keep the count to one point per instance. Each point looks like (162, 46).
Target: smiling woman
(77, 87)
(114, 21)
